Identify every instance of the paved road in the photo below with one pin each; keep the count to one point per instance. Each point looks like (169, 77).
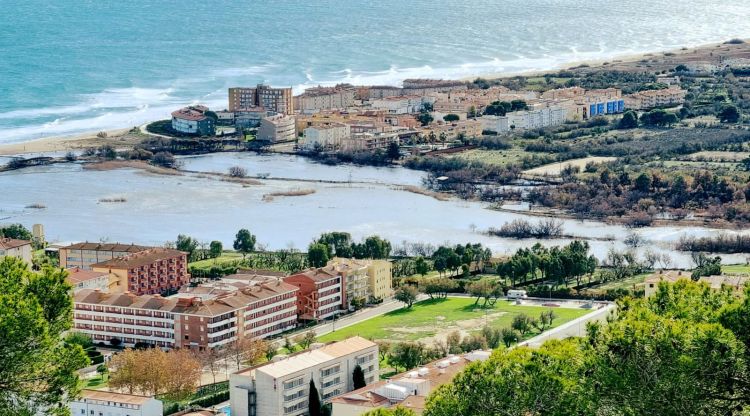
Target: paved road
(574, 328)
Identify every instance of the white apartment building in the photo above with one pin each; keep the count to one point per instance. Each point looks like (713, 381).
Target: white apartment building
(408, 104)
(87, 279)
(282, 387)
(523, 120)
(644, 100)
(105, 403)
(277, 128)
(328, 136)
(369, 141)
(254, 308)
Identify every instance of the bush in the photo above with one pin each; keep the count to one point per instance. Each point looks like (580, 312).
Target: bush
(164, 159)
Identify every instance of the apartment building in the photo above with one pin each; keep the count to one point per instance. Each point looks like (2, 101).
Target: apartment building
(101, 403)
(368, 279)
(277, 128)
(87, 279)
(83, 255)
(523, 120)
(152, 271)
(409, 104)
(375, 92)
(409, 390)
(277, 100)
(249, 117)
(369, 141)
(282, 386)
(21, 249)
(321, 293)
(319, 98)
(644, 100)
(193, 120)
(421, 86)
(208, 317)
(329, 136)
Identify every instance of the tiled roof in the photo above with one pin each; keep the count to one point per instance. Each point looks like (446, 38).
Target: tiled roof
(76, 275)
(9, 243)
(141, 258)
(108, 396)
(127, 248)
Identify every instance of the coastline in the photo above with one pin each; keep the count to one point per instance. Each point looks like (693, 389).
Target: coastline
(626, 62)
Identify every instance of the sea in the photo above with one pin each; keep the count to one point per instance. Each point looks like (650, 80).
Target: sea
(75, 66)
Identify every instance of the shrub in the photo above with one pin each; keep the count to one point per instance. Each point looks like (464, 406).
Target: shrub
(237, 172)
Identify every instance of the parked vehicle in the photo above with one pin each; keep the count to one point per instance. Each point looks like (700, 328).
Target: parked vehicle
(517, 294)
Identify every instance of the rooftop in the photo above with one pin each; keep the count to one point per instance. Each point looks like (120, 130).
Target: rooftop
(108, 396)
(9, 243)
(312, 357)
(140, 258)
(128, 248)
(76, 275)
(196, 112)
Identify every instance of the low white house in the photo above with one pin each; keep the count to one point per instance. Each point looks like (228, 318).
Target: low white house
(329, 136)
(105, 403)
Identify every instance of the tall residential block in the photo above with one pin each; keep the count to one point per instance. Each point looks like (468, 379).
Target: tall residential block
(278, 100)
(83, 255)
(282, 386)
(152, 271)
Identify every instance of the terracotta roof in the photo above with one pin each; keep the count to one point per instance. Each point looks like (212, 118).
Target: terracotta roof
(317, 275)
(109, 396)
(8, 243)
(191, 113)
(141, 258)
(76, 275)
(127, 248)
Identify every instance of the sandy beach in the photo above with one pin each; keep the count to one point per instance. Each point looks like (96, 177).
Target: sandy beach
(115, 137)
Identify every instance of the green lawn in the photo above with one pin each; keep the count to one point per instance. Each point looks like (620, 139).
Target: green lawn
(494, 157)
(226, 257)
(430, 317)
(626, 283)
(95, 383)
(736, 269)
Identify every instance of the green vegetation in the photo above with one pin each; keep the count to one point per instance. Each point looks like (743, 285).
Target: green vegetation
(427, 318)
(682, 351)
(37, 369)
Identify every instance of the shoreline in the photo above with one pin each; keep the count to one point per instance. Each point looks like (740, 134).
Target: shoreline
(626, 61)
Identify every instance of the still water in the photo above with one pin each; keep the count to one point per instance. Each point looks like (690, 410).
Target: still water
(159, 207)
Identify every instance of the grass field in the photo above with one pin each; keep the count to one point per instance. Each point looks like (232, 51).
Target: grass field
(226, 257)
(494, 157)
(626, 283)
(435, 318)
(554, 169)
(736, 269)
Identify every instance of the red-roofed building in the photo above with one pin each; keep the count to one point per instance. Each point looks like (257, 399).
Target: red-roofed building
(10, 247)
(87, 279)
(193, 120)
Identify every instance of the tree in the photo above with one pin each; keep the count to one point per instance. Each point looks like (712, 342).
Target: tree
(729, 114)
(406, 355)
(488, 289)
(629, 120)
(16, 232)
(394, 152)
(406, 294)
(518, 105)
(216, 248)
(237, 172)
(338, 243)
(212, 358)
(249, 350)
(449, 118)
(421, 266)
(37, 370)
(314, 405)
(545, 321)
(244, 242)
(425, 118)
(317, 255)
(306, 339)
(394, 411)
(438, 287)
(174, 374)
(384, 347)
(187, 244)
(509, 337)
(358, 377)
(373, 247)
(522, 324)
(164, 159)
(102, 370)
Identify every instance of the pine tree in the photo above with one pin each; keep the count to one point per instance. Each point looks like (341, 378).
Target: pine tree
(358, 377)
(314, 400)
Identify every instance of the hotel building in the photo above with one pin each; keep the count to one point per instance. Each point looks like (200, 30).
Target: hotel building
(282, 387)
(199, 318)
(152, 271)
(277, 128)
(83, 255)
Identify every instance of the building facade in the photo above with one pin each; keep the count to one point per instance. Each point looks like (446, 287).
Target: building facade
(365, 279)
(524, 120)
(321, 293)
(200, 320)
(152, 271)
(276, 100)
(317, 99)
(645, 100)
(409, 104)
(277, 128)
(282, 387)
(328, 136)
(83, 255)
(106, 403)
(194, 121)
(21, 249)
(87, 279)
